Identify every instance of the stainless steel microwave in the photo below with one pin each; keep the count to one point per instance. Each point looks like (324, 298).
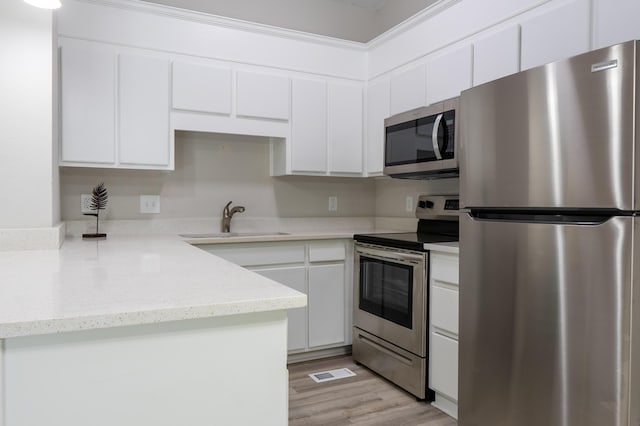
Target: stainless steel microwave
(421, 143)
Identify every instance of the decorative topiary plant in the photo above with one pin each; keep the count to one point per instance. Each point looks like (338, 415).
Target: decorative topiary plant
(99, 198)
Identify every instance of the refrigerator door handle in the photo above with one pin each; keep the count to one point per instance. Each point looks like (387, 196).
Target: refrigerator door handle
(553, 218)
(434, 137)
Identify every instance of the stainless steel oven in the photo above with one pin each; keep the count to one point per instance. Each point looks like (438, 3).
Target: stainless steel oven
(391, 276)
(391, 294)
(390, 319)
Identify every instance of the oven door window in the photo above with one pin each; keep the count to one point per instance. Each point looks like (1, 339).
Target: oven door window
(386, 290)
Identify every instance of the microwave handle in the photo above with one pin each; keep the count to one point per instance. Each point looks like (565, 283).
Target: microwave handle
(434, 137)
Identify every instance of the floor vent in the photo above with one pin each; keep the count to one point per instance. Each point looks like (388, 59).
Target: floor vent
(325, 376)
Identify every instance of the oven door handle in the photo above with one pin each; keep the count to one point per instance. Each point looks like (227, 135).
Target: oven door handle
(391, 255)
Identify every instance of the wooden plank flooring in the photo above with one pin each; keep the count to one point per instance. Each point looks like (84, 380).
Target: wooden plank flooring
(366, 399)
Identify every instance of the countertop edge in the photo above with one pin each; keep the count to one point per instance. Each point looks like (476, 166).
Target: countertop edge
(94, 322)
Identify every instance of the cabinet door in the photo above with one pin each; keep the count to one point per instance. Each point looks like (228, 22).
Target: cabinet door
(408, 89)
(262, 95)
(345, 128)
(496, 55)
(326, 305)
(378, 98)
(449, 74)
(546, 38)
(297, 327)
(443, 374)
(201, 88)
(615, 22)
(88, 74)
(309, 126)
(444, 308)
(144, 110)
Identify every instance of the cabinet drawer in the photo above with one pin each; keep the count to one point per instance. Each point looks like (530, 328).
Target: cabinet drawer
(261, 255)
(444, 268)
(444, 309)
(443, 371)
(324, 252)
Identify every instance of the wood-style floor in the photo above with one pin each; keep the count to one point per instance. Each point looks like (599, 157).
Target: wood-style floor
(366, 399)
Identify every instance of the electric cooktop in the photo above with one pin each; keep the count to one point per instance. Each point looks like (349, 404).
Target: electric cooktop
(438, 223)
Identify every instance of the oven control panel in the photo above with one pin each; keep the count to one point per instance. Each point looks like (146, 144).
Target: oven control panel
(438, 207)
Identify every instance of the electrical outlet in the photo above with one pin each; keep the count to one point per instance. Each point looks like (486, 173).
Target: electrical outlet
(409, 203)
(333, 204)
(149, 204)
(85, 203)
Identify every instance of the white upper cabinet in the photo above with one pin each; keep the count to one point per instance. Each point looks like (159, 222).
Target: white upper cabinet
(308, 143)
(99, 83)
(496, 55)
(449, 73)
(88, 89)
(616, 22)
(408, 89)
(144, 110)
(345, 128)
(201, 88)
(556, 34)
(262, 95)
(378, 98)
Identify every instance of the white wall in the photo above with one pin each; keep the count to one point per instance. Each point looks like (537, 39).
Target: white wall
(391, 194)
(28, 181)
(212, 169)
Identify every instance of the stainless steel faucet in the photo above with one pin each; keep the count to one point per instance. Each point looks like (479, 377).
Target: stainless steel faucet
(227, 214)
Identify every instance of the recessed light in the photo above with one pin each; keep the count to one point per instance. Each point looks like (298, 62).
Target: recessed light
(45, 4)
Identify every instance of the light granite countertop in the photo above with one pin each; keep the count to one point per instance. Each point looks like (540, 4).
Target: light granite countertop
(127, 280)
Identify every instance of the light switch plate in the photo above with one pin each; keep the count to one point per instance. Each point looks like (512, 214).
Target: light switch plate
(149, 204)
(409, 203)
(333, 204)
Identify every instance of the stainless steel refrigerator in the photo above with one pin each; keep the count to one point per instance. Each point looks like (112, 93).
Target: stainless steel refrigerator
(549, 245)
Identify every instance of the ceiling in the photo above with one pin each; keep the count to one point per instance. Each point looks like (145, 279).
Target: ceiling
(366, 4)
(355, 20)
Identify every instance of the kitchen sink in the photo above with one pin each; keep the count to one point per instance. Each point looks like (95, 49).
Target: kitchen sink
(232, 234)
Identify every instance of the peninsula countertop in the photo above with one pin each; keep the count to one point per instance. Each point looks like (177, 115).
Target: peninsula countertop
(127, 280)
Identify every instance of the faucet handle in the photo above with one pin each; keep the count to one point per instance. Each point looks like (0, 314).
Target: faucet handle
(228, 204)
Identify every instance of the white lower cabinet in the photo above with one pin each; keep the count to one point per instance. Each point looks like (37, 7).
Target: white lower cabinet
(320, 269)
(444, 356)
(295, 278)
(326, 305)
(443, 331)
